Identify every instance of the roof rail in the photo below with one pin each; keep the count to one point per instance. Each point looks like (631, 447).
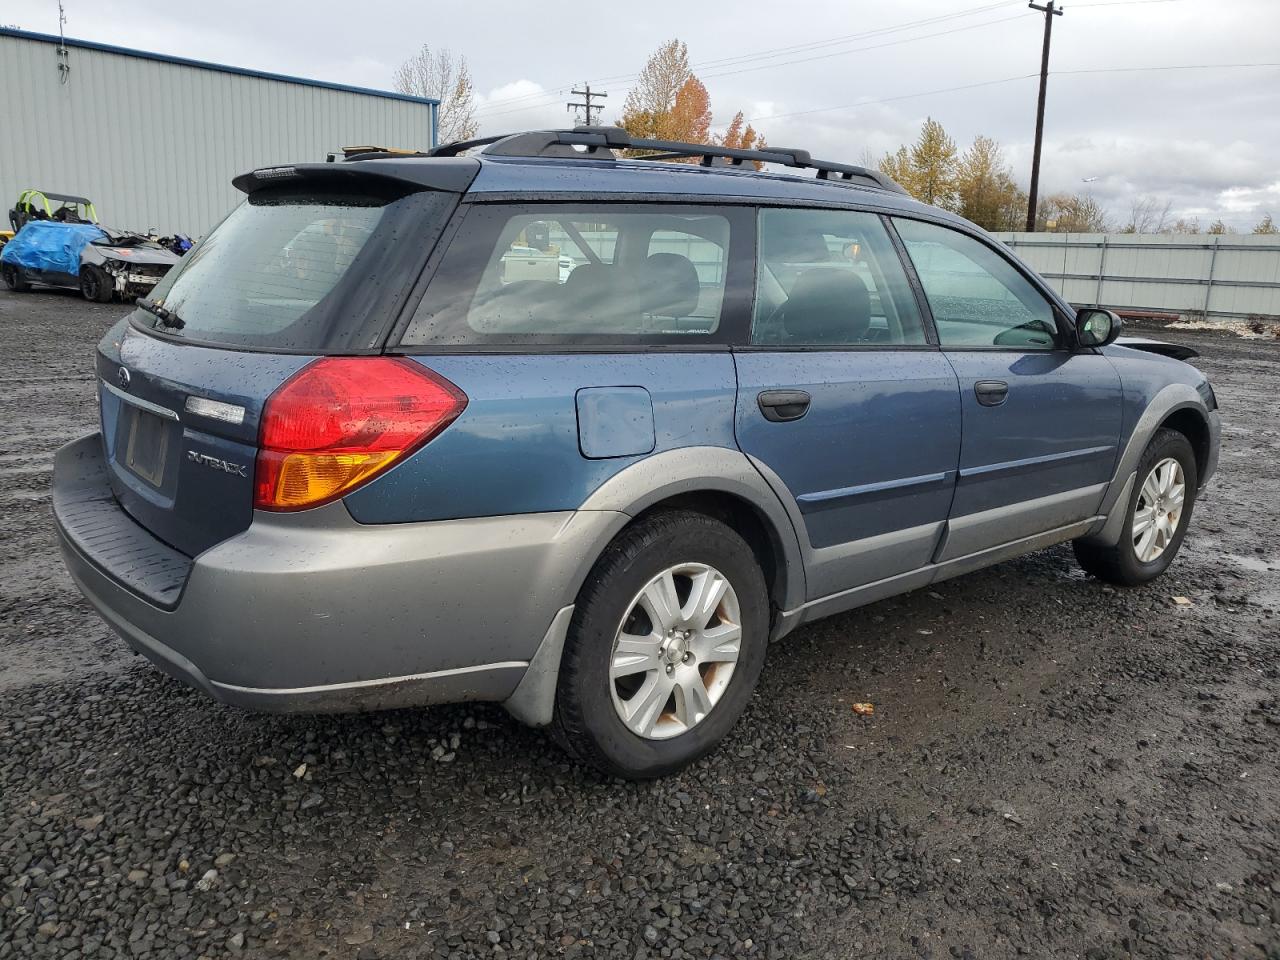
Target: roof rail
(600, 143)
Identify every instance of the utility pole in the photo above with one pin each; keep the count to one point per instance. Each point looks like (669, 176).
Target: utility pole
(587, 106)
(1050, 11)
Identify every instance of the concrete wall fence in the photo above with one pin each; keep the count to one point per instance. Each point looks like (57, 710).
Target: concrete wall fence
(1227, 277)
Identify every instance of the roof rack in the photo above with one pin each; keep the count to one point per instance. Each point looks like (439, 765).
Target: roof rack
(600, 143)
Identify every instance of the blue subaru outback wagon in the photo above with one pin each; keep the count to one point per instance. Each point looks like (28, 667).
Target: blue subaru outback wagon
(582, 432)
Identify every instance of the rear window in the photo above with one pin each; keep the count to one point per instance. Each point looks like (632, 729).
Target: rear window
(584, 274)
(283, 270)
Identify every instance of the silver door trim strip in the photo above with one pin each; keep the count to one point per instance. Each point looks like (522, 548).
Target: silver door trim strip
(1010, 466)
(843, 493)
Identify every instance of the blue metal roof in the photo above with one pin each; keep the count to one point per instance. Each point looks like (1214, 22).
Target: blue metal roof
(205, 65)
(559, 175)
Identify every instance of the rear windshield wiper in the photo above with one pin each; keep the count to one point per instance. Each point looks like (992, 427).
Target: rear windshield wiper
(167, 317)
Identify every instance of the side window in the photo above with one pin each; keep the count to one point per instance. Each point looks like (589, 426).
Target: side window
(831, 278)
(579, 274)
(977, 297)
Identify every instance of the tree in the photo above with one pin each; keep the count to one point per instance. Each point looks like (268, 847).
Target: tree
(1148, 216)
(1072, 213)
(1266, 225)
(928, 168)
(648, 109)
(741, 135)
(1183, 225)
(935, 163)
(669, 103)
(443, 76)
(1218, 229)
(897, 167)
(986, 191)
(691, 113)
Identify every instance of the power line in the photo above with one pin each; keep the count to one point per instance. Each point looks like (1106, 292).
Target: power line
(553, 93)
(839, 53)
(550, 95)
(530, 101)
(904, 96)
(1182, 66)
(586, 106)
(991, 83)
(876, 46)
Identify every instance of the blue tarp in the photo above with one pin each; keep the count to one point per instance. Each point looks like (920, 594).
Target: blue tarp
(48, 245)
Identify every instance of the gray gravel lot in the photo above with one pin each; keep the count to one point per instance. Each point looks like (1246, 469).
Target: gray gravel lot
(1054, 769)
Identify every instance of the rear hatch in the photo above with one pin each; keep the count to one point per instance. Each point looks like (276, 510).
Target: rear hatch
(304, 268)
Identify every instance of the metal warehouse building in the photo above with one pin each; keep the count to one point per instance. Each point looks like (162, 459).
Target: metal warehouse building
(154, 140)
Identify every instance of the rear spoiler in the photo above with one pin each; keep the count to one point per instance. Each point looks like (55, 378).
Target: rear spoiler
(450, 174)
(1175, 350)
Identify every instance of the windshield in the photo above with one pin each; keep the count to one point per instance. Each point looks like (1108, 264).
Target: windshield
(281, 271)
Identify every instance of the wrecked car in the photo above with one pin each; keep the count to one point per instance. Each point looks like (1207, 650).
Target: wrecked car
(85, 257)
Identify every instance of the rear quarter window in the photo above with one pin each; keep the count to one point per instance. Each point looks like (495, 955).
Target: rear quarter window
(584, 274)
(304, 271)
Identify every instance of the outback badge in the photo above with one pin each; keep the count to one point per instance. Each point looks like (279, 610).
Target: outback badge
(226, 466)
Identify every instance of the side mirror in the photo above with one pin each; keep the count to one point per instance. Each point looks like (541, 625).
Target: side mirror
(1096, 327)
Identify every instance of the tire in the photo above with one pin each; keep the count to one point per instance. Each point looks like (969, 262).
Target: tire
(96, 284)
(588, 719)
(1121, 564)
(14, 280)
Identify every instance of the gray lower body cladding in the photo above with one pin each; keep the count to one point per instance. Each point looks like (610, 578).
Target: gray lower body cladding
(315, 612)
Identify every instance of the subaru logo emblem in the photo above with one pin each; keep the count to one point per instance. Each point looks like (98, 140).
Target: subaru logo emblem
(122, 375)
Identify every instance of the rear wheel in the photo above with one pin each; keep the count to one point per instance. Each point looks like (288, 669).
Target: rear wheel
(665, 648)
(96, 284)
(14, 280)
(1156, 518)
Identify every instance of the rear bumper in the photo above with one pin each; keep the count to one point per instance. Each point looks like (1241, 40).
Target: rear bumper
(314, 612)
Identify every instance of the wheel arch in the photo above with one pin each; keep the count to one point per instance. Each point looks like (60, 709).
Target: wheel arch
(723, 484)
(1193, 424)
(1176, 403)
(714, 480)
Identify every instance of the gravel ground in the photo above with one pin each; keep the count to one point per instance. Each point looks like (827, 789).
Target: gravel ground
(1054, 767)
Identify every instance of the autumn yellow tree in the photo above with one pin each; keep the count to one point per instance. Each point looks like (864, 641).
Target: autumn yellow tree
(669, 102)
(1073, 213)
(927, 169)
(986, 192)
(648, 109)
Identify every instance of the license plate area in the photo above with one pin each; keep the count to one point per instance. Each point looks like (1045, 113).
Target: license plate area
(146, 445)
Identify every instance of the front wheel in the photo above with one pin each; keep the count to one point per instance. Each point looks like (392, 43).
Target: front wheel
(96, 284)
(14, 280)
(665, 647)
(1156, 518)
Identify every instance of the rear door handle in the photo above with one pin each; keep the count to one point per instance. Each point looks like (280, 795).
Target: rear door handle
(779, 406)
(991, 393)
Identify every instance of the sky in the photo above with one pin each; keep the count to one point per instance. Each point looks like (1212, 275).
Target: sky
(846, 79)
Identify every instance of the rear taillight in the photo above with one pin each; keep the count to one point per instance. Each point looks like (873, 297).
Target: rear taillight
(340, 421)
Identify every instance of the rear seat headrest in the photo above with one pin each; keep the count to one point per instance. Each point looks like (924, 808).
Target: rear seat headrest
(669, 285)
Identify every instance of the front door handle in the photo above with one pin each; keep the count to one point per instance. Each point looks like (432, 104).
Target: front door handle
(779, 406)
(991, 393)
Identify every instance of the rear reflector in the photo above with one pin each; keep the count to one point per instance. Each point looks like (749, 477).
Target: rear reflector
(340, 421)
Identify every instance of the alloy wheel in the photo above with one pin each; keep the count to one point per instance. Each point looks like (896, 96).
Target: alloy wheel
(675, 651)
(1159, 510)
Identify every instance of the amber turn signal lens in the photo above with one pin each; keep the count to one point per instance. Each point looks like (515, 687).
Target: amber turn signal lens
(341, 421)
